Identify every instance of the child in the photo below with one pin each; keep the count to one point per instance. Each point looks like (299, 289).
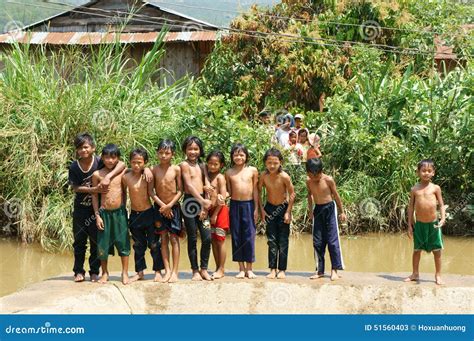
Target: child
(195, 206)
(424, 197)
(299, 118)
(111, 219)
(141, 220)
(314, 152)
(303, 141)
(219, 212)
(322, 190)
(242, 181)
(166, 193)
(296, 151)
(80, 178)
(277, 210)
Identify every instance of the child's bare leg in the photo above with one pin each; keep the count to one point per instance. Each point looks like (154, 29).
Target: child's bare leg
(272, 274)
(317, 275)
(221, 256)
(249, 271)
(165, 253)
(241, 273)
(281, 274)
(334, 275)
(437, 259)
(175, 253)
(105, 272)
(125, 279)
(416, 265)
(215, 252)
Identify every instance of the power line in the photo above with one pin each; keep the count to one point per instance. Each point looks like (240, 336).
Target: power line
(256, 34)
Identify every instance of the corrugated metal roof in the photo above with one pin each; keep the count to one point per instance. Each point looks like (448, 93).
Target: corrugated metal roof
(94, 38)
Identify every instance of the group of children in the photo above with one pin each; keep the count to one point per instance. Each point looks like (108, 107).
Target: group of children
(157, 220)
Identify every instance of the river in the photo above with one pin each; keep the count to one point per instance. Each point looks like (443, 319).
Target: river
(25, 264)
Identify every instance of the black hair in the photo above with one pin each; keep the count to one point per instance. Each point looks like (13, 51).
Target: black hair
(238, 147)
(83, 138)
(273, 152)
(218, 154)
(111, 150)
(264, 113)
(166, 144)
(189, 141)
(139, 152)
(426, 162)
(314, 166)
(292, 132)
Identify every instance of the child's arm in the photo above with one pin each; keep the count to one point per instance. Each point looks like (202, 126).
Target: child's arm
(119, 168)
(291, 198)
(188, 186)
(332, 186)
(179, 187)
(221, 189)
(310, 199)
(261, 184)
(228, 184)
(152, 194)
(255, 193)
(95, 202)
(89, 190)
(411, 210)
(442, 209)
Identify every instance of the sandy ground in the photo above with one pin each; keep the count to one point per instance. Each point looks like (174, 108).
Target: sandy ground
(355, 293)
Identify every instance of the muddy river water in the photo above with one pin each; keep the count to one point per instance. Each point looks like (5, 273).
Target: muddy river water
(21, 265)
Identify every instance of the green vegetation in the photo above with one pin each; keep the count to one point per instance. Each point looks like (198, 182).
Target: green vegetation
(382, 114)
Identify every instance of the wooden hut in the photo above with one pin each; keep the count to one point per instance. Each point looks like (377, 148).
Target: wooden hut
(134, 23)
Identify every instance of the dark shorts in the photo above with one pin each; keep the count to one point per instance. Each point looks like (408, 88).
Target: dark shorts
(243, 230)
(164, 224)
(115, 233)
(141, 219)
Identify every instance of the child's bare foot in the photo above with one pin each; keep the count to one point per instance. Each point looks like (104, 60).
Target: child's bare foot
(158, 277)
(104, 278)
(78, 278)
(316, 276)
(173, 278)
(281, 274)
(272, 274)
(218, 274)
(196, 276)
(138, 277)
(334, 275)
(166, 277)
(438, 280)
(412, 277)
(205, 275)
(251, 275)
(125, 278)
(94, 277)
(240, 275)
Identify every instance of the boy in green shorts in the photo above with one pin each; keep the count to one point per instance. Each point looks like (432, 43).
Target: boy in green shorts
(424, 197)
(111, 217)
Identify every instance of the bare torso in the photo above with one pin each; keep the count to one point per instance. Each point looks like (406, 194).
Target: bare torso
(276, 187)
(241, 182)
(320, 190)
(215, 183)
(165, 182)
(138, 191)
(195, 174)
(113, 199)
(425, 202)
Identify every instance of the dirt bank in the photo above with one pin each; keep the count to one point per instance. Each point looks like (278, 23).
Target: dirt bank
(355, 293)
